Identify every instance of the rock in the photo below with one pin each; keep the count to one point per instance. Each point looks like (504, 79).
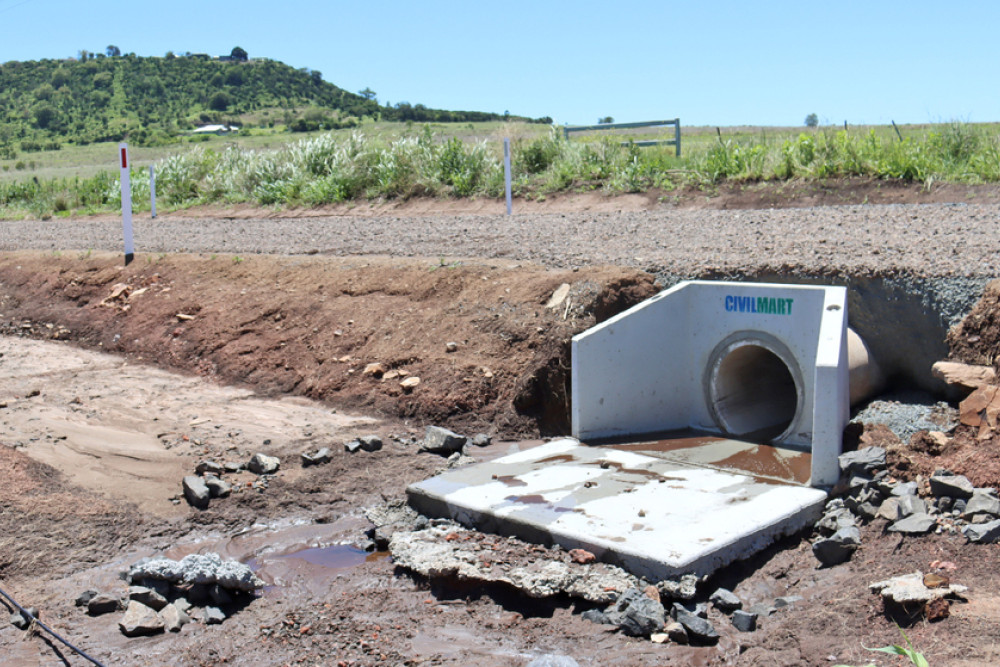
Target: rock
(837, 548)
(684, 588)
(964, 376)
(553, 660)
(744, 621)
(889, 510)
(376, 370)
(659, 638)
(982, 502)
(959, 506)
(559, 296)
(198, 569)
(676, 633)
(637, 615)
(836, 519)
(481, 440)
(232, 466)
(352, 446)
(983, 533)
(596, 616)
(910, 505)
(83, 598)
(173, 618)
(450, 346)
(183, 605)
(459, 459)
(764, 609)
(910, 588)
(102, 603)
(195, 491)
(689, 607)
(212, 616)
(905, 489)
(319, 457)
(867, 510)
(944, 483)
(410, 383)
(916, 524)
(725, 601)
(148, 597)
(20, 621)
(140, 621)
(651, 592)
(218, 488)
(786, 601)
(582, 556)
(439, 440)
(944, 503)
(866, 461)
(699, 631)
(370, 443)
(262, 464)
(209, 467)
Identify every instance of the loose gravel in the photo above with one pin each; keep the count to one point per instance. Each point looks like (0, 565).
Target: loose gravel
(960, 240)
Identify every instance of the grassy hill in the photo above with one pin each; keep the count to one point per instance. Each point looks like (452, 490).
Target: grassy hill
(151, 101)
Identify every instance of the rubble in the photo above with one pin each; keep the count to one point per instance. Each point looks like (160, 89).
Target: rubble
(909, 590)
(197, 569)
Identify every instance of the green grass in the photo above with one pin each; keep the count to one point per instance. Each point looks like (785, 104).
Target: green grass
(399, 160)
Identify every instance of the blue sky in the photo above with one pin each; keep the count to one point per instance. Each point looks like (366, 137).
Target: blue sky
(709, 63)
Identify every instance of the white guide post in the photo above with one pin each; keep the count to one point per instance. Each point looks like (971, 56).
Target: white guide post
(506, 170)
(126, 203)
(152, 191)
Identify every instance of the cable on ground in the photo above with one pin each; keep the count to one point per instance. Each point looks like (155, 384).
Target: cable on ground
(48, 629)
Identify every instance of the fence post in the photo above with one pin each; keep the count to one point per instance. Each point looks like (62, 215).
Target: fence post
(677, 136)
(506, 170)
(126, 203)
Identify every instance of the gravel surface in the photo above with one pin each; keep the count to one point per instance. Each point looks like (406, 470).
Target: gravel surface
(907, 412)
(928, 239)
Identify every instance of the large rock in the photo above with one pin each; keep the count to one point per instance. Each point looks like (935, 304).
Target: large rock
(866, 461)
(217, 488)
(837, 548)
(439, 440)
(173, 618)
(370, 443)
(102, 603)
(982, 502)
(210, 467)
(910, 588)
(947, 484)
(198, 569)
(637, 614)
(316, 458)
(262, 464)
(699, 631)
(725, 601)
(983, 533)
(195, 491)
(964, 376)
(140, 621)
(744, 621)
(148, 597)
(915, 524)
(910, 505)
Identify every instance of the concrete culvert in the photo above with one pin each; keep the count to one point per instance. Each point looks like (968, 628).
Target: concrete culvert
(752, 388)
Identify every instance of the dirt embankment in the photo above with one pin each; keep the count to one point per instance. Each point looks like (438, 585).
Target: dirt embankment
(345, 331)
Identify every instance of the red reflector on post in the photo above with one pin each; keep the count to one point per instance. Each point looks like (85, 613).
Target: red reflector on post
(124, 158)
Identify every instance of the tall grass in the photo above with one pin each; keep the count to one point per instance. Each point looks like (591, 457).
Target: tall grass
(341, 167)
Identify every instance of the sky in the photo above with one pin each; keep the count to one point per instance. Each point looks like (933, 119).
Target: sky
(721, 63)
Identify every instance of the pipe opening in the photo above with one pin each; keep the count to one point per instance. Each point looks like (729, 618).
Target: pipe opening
(753, 392)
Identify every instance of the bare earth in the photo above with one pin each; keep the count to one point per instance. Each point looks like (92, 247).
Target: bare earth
(216, 356)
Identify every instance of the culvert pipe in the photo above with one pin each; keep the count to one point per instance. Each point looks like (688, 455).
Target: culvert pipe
(759, 361)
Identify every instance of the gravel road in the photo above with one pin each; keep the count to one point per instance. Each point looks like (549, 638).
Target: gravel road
(926, 239)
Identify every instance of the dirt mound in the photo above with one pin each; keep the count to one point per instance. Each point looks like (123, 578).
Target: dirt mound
(348, 331)
(976, 339)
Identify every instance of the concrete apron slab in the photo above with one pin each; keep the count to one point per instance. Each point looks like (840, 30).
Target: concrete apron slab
(655, 517)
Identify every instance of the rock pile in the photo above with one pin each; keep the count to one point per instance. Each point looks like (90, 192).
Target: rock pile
(208, 482)
(165, 594)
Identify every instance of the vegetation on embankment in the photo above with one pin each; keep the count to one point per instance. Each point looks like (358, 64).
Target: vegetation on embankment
(356, 165)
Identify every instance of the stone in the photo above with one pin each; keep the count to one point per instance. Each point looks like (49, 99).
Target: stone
(148, 597)
(376, 370)
(83, 598)
(206, 569)
(786, 601)
(699, 631)
(352, 446)
(764, 609)
(659, 638)
(262, 464)
(944, 503)
(370, 443)
(450, 346)
(838, 548)
(944, 483)
(553, 660)
(676, 632)
(915, 524)
(689, 607)
(596, 616)
(409, 383)
(319, 457)
(836, 519)
(968, 377)
(983, 533)
(212, 616)
(173, 618)
(210, 467)
(744, 621)
(905, 489)
(195, 491)
(684, 588)
(102, 603)
(439, 440)
(581, 556)
(889, 510)
(217, 488)
(910, 505)
(910, 588)
(725, 601)
(866, 461)
(637, 615)
(982, 502)
(481, 440)
(140, 621)
(20, 621)
(867, 510)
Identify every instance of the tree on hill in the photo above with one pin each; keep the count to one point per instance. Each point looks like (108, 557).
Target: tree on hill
(239, 54)
(367, 93)
(607, 120)
(812, 120)
(113, 51)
